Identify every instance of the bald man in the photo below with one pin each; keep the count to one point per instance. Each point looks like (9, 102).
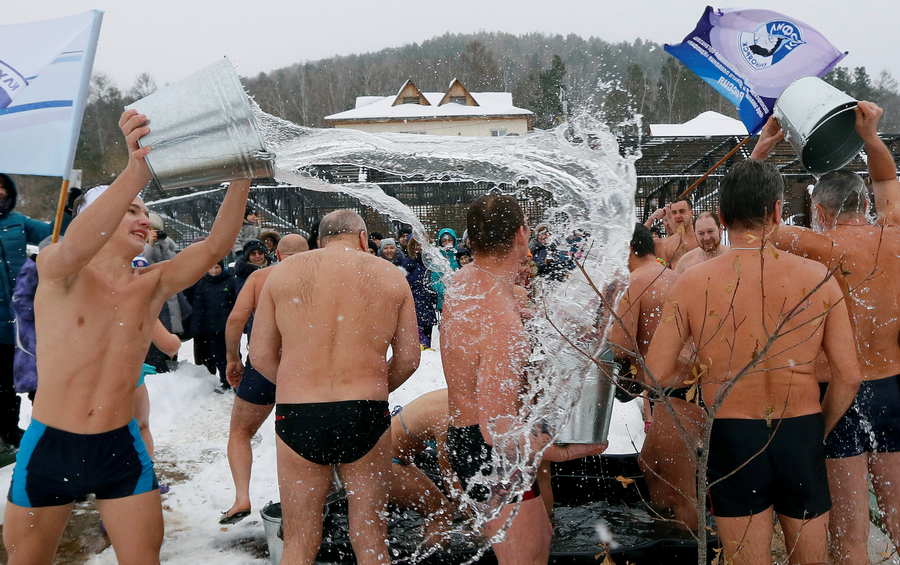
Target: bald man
(254, 394)
(323, 325)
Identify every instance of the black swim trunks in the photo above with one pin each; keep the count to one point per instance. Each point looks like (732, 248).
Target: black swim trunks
(470, 456)
(332, 432)
(789, 474)
(871, 424)
(255, 388)
(54, 467)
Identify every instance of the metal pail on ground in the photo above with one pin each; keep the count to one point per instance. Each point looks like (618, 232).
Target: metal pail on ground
(589, 422)
(271, 517)
(203, 131)
(820, 124)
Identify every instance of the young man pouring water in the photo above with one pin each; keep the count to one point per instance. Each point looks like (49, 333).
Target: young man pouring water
(94, 317)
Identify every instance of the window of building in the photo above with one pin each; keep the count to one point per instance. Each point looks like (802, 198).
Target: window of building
(410, 99)
(498, 132)
(461, 100)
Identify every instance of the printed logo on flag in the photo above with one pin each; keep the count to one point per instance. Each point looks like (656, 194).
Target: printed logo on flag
(769, 43)
(11, 83)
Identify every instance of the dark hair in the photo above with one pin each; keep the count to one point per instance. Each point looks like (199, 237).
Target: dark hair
(373, 246)
(642, 241)
(708, 214)
(492, 223)
(686, 199)
(747, 194)
(404, 231)
(314, 235)
(841, 192)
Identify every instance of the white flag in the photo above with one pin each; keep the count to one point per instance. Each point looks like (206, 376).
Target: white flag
(45, 74)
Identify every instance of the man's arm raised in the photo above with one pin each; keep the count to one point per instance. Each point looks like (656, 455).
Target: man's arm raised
(265, 341)
(882, 170)
(93, 227)
(187, 267)
(404, 345)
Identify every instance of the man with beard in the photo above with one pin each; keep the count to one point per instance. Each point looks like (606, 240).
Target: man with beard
(679, 216)
(708, 230)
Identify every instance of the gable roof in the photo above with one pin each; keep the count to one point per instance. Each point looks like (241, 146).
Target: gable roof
(457, 90)
(409, 90)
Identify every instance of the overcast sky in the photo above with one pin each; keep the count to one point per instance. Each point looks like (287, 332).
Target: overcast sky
(171, 39)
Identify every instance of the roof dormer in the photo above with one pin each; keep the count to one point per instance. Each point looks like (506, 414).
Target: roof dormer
(457, 94)
(409, 94)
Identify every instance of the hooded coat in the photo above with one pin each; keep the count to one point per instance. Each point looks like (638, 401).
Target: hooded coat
(16, 230)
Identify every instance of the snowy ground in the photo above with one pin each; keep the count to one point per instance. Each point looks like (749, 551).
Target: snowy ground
(190, 422)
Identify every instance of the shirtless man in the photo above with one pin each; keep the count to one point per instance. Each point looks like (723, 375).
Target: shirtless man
(667, 463)
(708, 230)
(322, 328)
(254, 395)
(867, 260)
(485, 349)
(766, 449)
(94, 316)
(679, 215)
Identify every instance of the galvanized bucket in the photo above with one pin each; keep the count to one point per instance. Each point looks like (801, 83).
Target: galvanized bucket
(273, 523)
(820, 124)
(203, 131)
(271, 517)
(590, 417)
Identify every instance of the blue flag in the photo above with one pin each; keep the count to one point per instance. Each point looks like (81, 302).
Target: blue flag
(751, 56)
(45, 74)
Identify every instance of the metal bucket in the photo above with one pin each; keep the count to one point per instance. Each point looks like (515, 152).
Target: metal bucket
(590, 417)
(271, 517)
(820, 124)
(203, 131)
(274, 525)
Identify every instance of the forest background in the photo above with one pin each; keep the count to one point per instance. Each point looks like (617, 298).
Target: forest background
(551, 75)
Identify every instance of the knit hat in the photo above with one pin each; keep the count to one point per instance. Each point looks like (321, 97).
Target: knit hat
(387, 241)
(254, 245)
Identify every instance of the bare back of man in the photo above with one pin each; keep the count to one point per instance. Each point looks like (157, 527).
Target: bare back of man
(667, 463)
(94, 318)
(759, 319)
(323, 325)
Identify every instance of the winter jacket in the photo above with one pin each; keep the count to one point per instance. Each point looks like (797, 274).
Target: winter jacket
(242, 270)
(24, 361)
(214, 298)
(16, 230)
(160, 251)
(248, 231)
(449, 252)
(424, 298)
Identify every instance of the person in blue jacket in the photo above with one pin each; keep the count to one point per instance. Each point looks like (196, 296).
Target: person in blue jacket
(16, 230)
(424, 297)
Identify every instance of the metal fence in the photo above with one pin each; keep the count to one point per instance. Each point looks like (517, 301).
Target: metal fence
(290, 209)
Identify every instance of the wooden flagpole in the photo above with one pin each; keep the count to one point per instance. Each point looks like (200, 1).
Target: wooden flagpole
(716, 166)
(57, 225)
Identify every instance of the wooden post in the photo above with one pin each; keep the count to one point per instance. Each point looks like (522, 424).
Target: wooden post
(716, 166)
(57, 225)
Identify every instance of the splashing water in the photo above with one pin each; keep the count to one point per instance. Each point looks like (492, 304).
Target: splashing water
(593, 190)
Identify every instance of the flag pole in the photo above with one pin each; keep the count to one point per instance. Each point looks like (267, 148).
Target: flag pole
(57, 225)
(714, 167)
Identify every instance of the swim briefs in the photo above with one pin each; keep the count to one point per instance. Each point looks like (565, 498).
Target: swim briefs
(332, 432)
(789, 474)
(470, 456)
(871, 424)
(255, 388)
(54, 467)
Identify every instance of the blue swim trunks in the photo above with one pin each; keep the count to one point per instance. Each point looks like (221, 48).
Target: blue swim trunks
(54, 467)
(871, 424)
(255, 388)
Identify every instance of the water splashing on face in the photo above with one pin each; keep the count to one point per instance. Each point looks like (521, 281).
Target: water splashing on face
(593, 191)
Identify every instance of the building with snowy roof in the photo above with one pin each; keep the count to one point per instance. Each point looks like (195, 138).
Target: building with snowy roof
(455, 112)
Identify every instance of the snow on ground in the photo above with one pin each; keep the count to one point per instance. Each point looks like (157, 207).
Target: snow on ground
(190, 422)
